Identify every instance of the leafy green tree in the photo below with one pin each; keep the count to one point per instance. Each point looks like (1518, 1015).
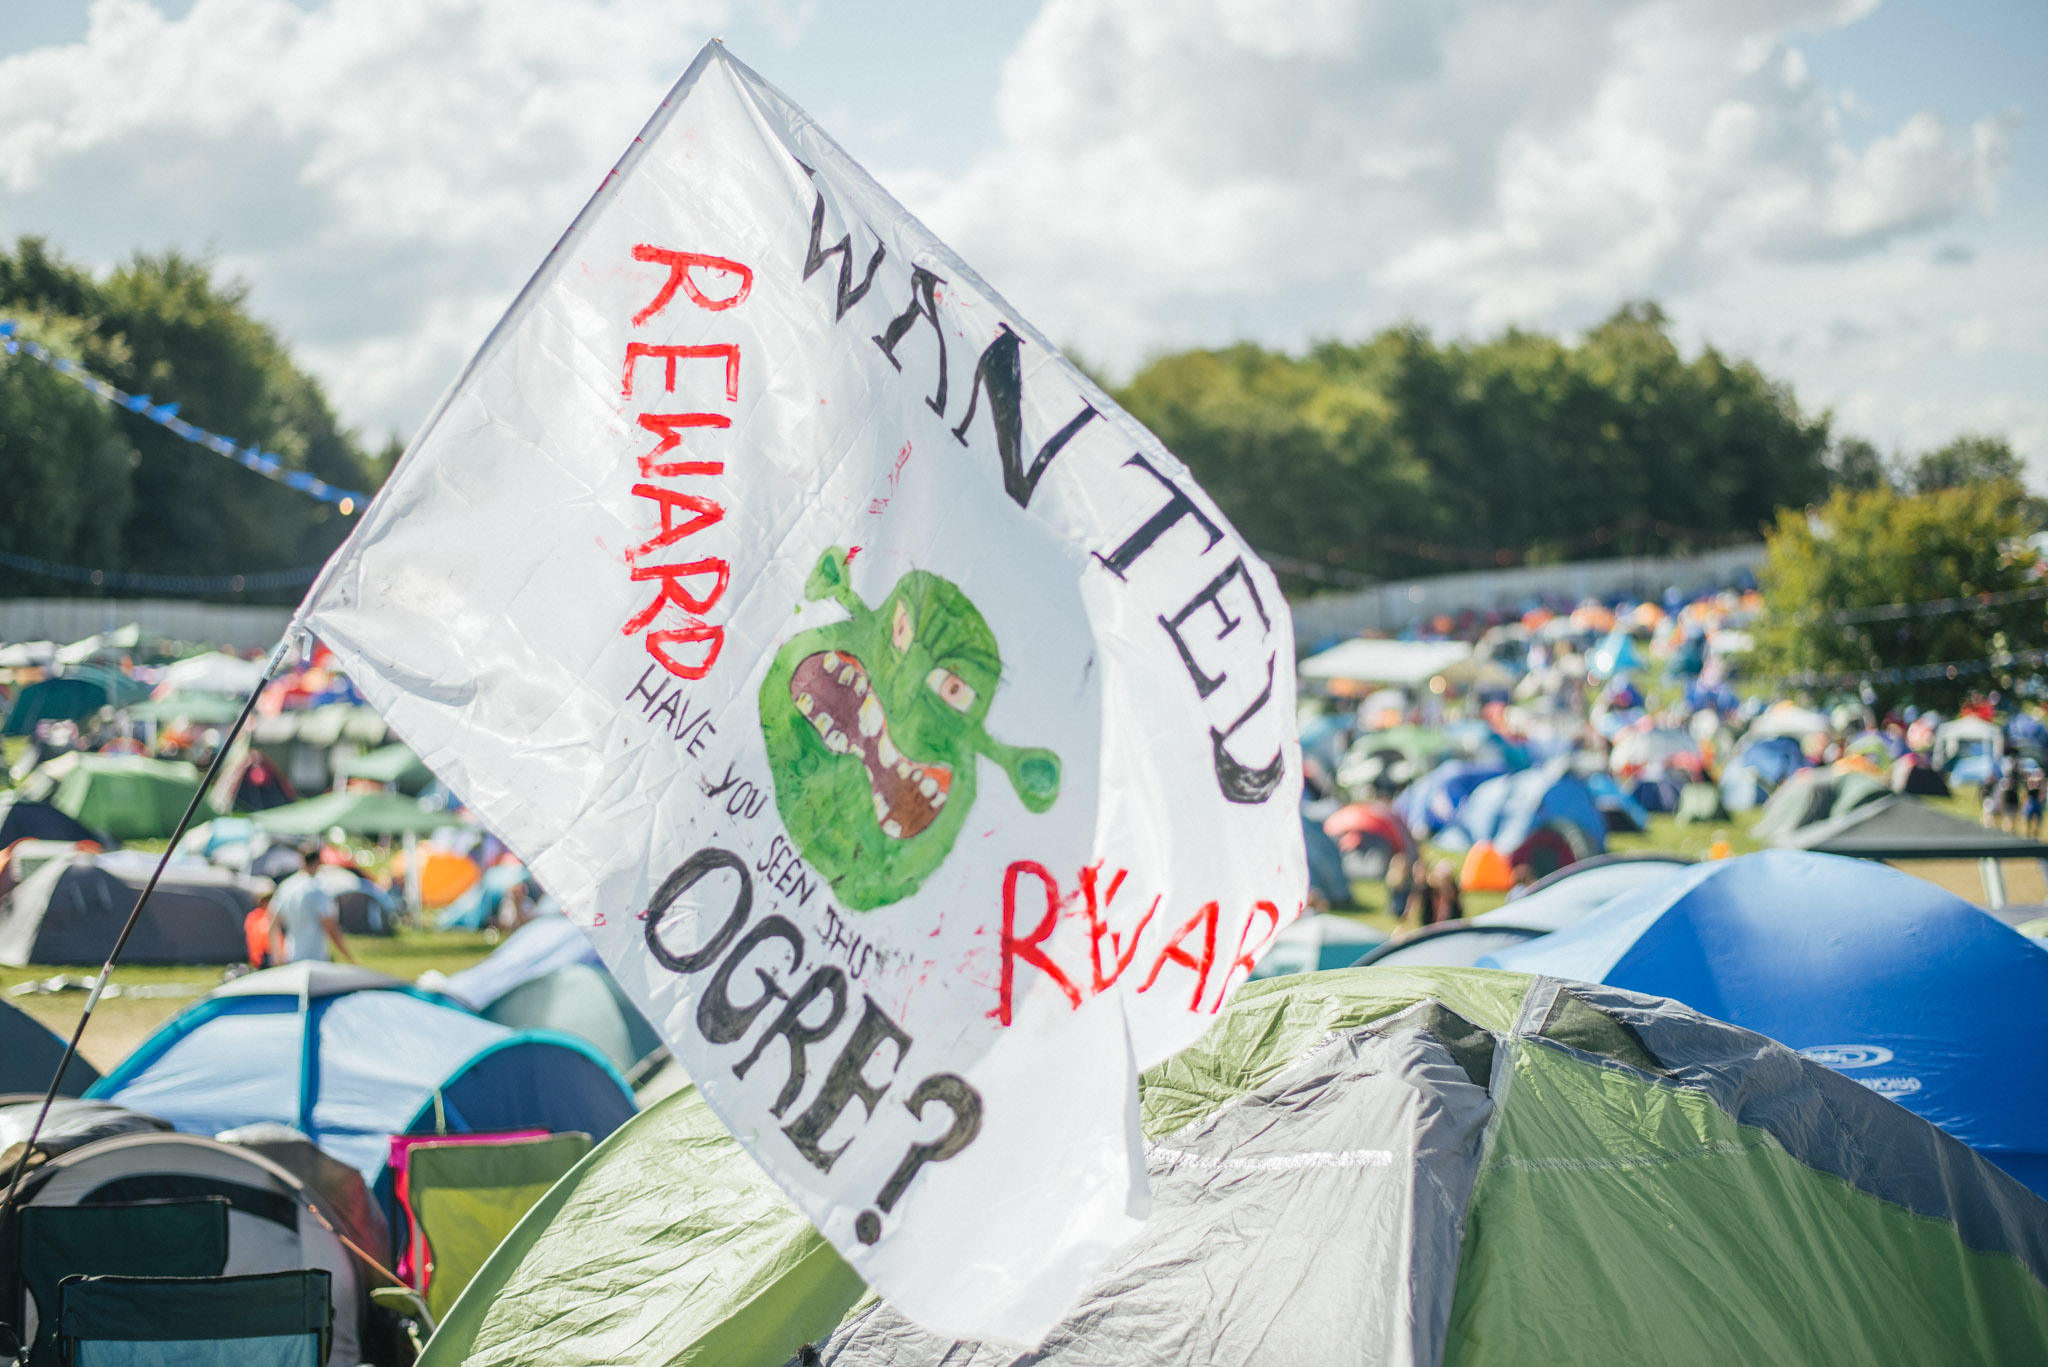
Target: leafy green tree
(1969, 459)
(1400, 456)
(65, 466)
(164, 327)
(1826, 570)
(1856, 464)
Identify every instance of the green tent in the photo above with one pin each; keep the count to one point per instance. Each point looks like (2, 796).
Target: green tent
(365, 813)
(1811, 796)
(585, 1001)
(1368, 1165)
(130, 797)
(200, 709)
(72, 696)
(1699, 804)
(393, 764)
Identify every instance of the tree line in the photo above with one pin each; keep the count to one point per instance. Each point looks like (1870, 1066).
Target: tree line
(1404, 456)
(87, 484)
(1395, 456)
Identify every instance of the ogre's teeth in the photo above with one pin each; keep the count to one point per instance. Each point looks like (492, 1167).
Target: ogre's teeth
(938, 801)
(804, 703)
(885, 751)
(903, 768)
(871, 718)
(892, 830)
(838, 742)
(928, 786)
(881, 807)
(860, 686)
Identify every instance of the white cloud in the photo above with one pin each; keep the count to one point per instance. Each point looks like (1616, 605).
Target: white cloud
(384, 175)
(1168, 173)
(1196, 171)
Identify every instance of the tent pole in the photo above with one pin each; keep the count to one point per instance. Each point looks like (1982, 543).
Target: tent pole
(99, 986)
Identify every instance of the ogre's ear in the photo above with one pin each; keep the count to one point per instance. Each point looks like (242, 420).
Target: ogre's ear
(1035, 774)
(832, 578)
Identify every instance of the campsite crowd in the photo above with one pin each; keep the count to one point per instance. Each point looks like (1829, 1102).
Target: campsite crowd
(1442, 775)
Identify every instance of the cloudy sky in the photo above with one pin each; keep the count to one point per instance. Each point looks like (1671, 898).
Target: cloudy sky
(1854, 194)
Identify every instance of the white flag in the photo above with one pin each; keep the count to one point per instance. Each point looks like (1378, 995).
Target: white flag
(912, 737)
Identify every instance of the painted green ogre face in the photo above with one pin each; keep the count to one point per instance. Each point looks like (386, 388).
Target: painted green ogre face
(873, 725)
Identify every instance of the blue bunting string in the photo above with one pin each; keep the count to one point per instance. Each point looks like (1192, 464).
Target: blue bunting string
(163, 583)
(166, 415)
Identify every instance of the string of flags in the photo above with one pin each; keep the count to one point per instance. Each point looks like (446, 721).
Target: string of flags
(1934, 607)
(165, 415)
(163, 583)
(1920, 673)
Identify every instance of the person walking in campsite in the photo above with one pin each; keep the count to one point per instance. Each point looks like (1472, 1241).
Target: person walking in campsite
(2037, 792)
(304, 920)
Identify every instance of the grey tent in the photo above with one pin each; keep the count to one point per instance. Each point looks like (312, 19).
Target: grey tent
(1813, 795)
(276, 1222)
(71, 910)
(1903, 828)
(29, 1054)
(21, 820)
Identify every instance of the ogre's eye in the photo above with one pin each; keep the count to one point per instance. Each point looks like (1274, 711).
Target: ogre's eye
(899, 628)
(953, 690)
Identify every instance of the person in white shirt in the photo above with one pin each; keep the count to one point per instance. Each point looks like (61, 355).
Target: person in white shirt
(304, 921)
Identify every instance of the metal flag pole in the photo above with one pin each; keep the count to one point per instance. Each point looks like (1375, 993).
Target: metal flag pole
(99, 987)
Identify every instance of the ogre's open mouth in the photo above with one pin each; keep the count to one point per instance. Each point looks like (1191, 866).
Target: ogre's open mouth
(831, 690)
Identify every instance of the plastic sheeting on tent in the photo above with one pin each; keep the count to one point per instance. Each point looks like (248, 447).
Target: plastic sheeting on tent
(130, 797)
(350, 1058)
(1456, 1167)
(71, 910)
(1905, 988)
(1314, 943)
(275, 1221)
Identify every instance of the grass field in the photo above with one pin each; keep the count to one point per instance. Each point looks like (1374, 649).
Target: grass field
(122, 1021)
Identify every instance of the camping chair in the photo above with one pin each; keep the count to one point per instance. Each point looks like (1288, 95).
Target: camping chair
(461, 1200)
(272, 1319)
(179, 1238)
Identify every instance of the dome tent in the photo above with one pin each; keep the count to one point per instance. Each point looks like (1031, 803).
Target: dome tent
(350, 1058)
(30, 1053)
(1545, 818)
(1448, 1166)
(71, 910)
(1906, 988)
(275, 1221)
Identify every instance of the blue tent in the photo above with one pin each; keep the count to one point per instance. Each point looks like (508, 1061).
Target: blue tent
(1431, 802)
(1622, 812)
(537, 948)
(1509, 810)
(1617, 654)
(1757, 769)
(1656, 790)
(1325, 864)
(1576, 891)
(1905, 988)
(350, 1058)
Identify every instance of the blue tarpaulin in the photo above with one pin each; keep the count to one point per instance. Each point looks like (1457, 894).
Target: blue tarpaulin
(1905, 988)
